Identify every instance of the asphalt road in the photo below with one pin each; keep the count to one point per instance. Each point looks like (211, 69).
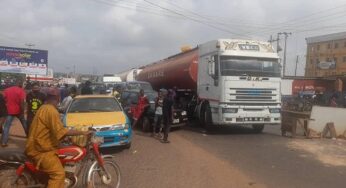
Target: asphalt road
(230, 157)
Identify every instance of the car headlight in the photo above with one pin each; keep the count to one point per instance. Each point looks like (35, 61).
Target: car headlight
(274, 110)
(116, 127)
(183, 113)
(127, 126)
(229, 110)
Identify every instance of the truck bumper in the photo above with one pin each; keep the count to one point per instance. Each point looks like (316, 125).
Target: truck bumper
(243, 117)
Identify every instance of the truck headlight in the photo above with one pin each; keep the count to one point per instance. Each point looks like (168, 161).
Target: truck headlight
(229, 110)
(274, 110)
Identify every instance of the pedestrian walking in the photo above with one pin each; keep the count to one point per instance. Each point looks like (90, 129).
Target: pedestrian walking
(67, 100)
(34, 99)
(14, 98)
(158, 114)
(167, 115)
(86, 89)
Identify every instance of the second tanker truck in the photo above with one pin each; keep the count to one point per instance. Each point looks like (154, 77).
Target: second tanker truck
(231, 82)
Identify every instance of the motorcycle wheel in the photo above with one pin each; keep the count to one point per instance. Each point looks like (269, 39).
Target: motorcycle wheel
(8, 179)
(100, 179)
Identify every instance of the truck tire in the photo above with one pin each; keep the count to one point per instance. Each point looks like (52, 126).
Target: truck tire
(206, 118)
(146, 124)
(258, 128)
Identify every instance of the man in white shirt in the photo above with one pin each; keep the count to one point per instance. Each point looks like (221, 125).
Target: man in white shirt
(67, 100)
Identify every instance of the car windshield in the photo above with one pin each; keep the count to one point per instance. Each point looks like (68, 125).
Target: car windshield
(94, 105)
(237, 66)
(151, 96)
(128, 98)
(139, 85)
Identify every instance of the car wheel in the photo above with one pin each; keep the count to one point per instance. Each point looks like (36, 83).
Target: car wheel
(127, 146)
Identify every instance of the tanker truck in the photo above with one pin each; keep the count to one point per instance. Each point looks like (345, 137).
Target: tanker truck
(223, 82)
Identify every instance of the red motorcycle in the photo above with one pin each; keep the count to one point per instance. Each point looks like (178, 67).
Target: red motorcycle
(84, 167)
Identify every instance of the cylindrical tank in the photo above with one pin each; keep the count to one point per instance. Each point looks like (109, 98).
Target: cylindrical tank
(176, 71)
(129, 75)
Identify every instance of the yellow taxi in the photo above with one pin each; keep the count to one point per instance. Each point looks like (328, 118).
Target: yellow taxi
(104, 114)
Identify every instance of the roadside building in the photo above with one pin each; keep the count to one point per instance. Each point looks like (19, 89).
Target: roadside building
(326, 55)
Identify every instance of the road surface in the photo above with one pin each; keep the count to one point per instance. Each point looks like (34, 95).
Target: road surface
(227, 158)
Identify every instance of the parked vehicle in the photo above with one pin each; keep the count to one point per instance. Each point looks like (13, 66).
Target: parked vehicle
(232, 82)
(106, 116)
(137, 85)
(84, 167)
(129, 99)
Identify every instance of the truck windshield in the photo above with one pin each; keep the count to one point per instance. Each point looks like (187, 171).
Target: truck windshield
(237, 66)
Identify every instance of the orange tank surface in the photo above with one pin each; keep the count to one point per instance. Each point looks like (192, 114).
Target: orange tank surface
(177, 71)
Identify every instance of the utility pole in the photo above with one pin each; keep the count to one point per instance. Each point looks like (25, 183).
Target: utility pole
(295, 71)
(284, 63)
(30, 45)
(277, 40)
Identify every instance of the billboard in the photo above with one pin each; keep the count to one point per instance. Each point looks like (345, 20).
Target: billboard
(48, 77)
(23, 60)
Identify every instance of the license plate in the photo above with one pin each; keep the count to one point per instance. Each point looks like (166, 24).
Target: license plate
(175, 120)
(98, 139)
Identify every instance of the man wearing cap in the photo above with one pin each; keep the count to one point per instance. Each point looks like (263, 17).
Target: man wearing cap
(34, 100)
(45, 134)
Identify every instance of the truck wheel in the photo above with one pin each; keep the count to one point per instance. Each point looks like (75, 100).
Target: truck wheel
(146, 124)
(258, 128)
(207, 119)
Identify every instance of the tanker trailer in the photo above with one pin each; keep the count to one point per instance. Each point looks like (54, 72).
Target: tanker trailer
(231, 82)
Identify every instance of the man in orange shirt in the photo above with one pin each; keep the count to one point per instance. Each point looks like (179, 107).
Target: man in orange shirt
(44, 137)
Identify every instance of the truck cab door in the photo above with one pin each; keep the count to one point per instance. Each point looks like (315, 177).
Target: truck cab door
(208, 75)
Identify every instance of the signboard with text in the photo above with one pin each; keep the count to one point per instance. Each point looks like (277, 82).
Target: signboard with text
(327, 65)
(23, 60)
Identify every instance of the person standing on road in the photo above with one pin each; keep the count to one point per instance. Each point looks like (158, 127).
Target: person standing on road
(3, 111)
(67, 100)
(44, 138)
(14, 97)
(35, 99)
(86, 89)
(140, 108)
(64, 92)
(167, 114)
(158, 114)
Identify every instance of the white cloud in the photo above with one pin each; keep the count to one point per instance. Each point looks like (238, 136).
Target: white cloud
(88, 34)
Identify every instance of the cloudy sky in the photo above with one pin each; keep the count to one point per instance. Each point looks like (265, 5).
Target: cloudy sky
(109, 36)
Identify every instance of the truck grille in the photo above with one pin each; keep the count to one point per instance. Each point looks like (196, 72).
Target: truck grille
(248, 96)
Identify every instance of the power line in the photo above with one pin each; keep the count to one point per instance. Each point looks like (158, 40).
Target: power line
(195, 20)
(300, 19)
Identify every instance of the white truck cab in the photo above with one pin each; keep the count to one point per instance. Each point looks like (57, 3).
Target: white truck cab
(238, 83)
